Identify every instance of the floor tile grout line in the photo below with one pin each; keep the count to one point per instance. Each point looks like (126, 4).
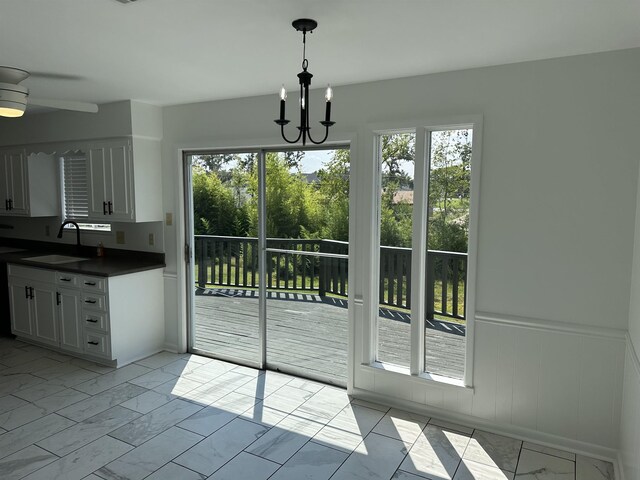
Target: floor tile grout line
(362, 441)
(135, 447)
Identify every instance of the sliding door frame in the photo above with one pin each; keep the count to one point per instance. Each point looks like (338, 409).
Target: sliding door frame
(261, 362)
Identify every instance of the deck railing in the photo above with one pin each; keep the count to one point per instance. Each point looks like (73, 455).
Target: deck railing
(321, 265)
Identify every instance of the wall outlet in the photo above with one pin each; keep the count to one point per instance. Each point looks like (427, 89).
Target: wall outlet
(169, 219)
(119, 237)
(151, 239)
(47, 231)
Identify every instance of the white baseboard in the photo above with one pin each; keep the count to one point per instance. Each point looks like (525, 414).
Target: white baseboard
(171, 347)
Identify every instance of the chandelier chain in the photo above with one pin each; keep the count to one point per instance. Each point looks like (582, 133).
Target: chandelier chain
(305, 62)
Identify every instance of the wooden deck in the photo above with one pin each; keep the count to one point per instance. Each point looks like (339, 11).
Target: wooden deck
(308, 333)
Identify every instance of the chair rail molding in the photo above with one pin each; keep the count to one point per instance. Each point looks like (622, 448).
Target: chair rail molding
(549, 325)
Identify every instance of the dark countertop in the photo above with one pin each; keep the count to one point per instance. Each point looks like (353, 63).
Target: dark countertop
(113, 263)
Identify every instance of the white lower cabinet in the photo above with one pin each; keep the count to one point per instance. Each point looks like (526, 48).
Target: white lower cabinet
(117, 320)
(33, 306)
(70, 319)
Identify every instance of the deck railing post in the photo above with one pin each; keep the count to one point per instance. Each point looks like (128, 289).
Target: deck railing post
(202, 268)
(322, 271)
(431, 286)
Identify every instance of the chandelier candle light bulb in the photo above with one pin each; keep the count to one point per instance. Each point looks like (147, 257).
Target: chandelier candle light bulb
(283, 98)
(328, 96)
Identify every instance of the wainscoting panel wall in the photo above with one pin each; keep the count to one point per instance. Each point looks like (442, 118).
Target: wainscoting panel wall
(629, 460)
(558, 384)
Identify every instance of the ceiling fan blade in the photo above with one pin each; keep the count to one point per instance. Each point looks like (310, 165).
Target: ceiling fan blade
(55, 76)
(65, 105)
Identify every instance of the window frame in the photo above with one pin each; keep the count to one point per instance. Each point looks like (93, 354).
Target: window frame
(85, 226)
(423, 130)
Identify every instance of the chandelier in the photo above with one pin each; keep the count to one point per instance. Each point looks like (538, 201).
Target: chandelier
(305, 25)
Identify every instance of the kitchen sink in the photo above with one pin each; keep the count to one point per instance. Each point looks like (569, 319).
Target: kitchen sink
(55, 259)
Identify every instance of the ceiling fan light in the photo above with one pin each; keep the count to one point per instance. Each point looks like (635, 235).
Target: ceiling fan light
(13, 100)
(11, 109)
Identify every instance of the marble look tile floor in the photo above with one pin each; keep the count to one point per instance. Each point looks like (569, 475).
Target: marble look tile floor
(176, 417)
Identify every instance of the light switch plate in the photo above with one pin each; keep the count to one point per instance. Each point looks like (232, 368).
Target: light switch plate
(169, 219)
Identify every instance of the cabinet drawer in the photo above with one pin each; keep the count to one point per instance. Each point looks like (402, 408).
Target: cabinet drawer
(93, 284)
(94, 302)
(33, 274)
(95, 321)
(96, 343)
(67, 279)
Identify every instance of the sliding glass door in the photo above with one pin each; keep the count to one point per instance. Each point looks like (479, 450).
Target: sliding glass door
(226, 267)
(270, 255)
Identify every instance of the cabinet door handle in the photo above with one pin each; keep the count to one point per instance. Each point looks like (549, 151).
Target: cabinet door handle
(92, 343)
(92, 320)
(26, 292)
(104, 208)
(65, 279)
(91, 284)
(110, 207)
(89, 301)
(58, 298)
(10, 204)
(31, 292)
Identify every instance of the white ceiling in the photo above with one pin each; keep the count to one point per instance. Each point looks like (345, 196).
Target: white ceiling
(168, 52)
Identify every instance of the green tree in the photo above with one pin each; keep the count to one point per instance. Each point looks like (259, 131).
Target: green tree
(214, 208)
(292, 203)
(449, 188)
(395, 213)
(333, 195)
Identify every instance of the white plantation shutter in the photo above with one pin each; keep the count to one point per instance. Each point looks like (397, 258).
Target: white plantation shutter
(75, 184)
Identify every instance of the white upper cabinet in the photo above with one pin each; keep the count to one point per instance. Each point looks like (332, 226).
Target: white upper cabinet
(124, 182)
(28, 184)
(110, 182)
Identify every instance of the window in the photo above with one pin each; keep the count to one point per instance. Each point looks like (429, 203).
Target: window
(426, 229)
(75, 192)
(397, 165)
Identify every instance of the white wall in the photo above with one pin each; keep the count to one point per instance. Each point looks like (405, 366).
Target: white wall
(119, 119)
(556, 227)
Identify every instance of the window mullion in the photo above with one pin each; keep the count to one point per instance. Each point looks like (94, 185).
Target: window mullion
(419, 251)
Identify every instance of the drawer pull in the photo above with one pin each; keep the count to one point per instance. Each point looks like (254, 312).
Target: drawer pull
(90, 301)
(92, 320)
(65, 279)
(92, 343)
(92, 284)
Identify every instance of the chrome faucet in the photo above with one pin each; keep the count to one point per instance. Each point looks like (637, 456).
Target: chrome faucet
(70, 222)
